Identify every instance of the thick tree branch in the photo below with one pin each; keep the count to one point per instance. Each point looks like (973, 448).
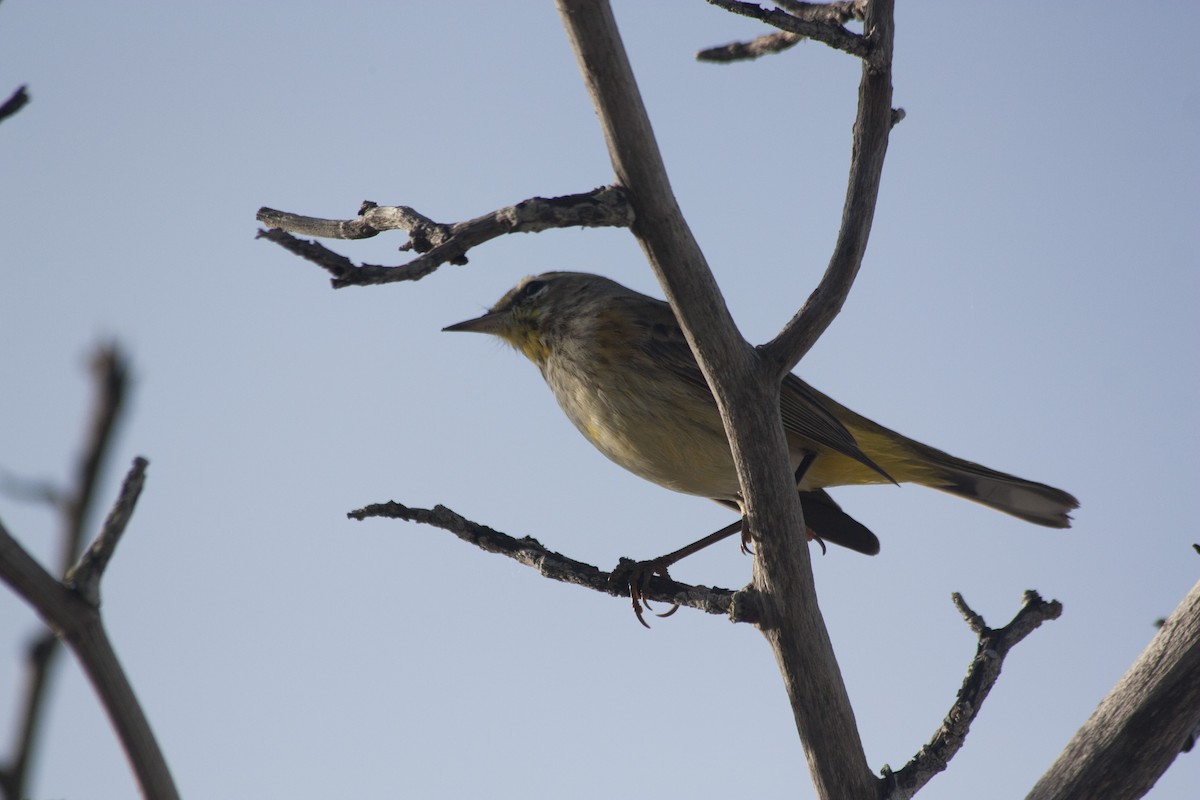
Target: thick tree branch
(532, 553)
(982, 674)
(1141, 726)
(438, 243)
(746, 388)
(77, 621)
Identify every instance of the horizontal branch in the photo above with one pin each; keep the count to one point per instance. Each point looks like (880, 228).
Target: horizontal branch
(981, 676)
(438, 243)
(813, 27)
(532, 553)
(835, 14)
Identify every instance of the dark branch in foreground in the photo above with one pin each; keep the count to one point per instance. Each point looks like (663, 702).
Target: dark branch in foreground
(85, 576)
(110, 372)
(438, 243)
(981, 676)
(76, 620)
(14, 103)
(531, 553)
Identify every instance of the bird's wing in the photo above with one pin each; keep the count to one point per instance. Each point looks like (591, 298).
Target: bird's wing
(806, 416)
(801, 409)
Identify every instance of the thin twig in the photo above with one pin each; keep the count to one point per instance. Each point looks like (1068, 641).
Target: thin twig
(532, 553)
(836, 14)
(85, 576)
(14, 103)
(767, 44)
(438, 243)
(818, 29)
(981, 676)
(110, 371)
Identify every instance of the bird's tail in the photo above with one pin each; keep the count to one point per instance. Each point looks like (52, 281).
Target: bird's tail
(907, 460)
(1028, 500)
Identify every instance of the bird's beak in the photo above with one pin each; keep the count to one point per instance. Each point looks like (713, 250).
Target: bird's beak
(491, 322)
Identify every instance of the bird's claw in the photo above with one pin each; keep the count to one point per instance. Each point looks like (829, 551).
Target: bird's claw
(636, 576)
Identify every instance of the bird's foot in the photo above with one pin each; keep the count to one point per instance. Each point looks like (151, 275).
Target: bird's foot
(636, 576)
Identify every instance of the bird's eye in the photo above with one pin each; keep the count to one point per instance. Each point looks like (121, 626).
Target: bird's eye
(529, 291)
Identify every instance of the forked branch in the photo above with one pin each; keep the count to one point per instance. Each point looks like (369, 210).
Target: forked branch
(75, 617)
(438, 243)
(833, 15)
(982, 674)
(811, 23)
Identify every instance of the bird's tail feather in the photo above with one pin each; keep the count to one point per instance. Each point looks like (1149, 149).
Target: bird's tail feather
(1028, 500)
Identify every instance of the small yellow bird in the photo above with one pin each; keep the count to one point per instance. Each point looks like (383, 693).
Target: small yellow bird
(623, 373)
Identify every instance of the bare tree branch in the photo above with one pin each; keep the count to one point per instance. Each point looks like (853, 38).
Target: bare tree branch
(439, 243)
(77, 622)
(14, 103)
(532, 553)
(746, 388)
(836, 14)
(981, 676)
(110, 373)
(766, 44)
(85, 576)
(1141, 725)
(810, 26)
(871, 129)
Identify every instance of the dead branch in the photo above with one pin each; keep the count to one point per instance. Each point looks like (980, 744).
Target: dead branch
(815, 26)
(982, 674)
(872, 127)
(110, 372)
(744, 383)
(438, 243)
(766, 44)
(836, 13)
(532, 553)
(14, 103)
(76, 621)
(1139, 728)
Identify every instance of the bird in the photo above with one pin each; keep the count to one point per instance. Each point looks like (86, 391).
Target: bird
(623, 373)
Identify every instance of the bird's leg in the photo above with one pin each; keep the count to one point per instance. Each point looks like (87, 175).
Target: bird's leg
(805, 463)
(801, 471)
(637, 574)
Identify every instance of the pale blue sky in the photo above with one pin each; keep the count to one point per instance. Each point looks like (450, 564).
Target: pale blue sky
(1028, 301)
